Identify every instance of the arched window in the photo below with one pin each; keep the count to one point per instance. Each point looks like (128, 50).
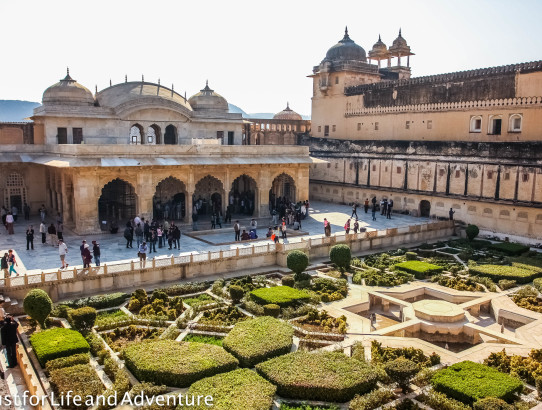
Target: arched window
(136, 134)
(515, 123)
(476, 123)
(153, 134)
(495, 125)
(170, 137)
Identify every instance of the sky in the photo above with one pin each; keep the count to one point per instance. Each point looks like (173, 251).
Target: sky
(256, 54)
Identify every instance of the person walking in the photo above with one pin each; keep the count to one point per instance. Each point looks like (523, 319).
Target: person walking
(142, 255)
(5, 265)
(9, 223)
(152, 242)
(366, 205)
(451, 213)
(389, 209)
(177, 237)
(96, 252)
(30, 237)
(347, 227)
(62, 251)
(9, 340)
(43, 231)
(12, 261)
(237, 230)
(129, 235)
(354, 210)
(374, 211)
(52, 235)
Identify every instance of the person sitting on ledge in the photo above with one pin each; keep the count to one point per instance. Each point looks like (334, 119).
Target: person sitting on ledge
(253, 235)
(245, 236)
(269, 232)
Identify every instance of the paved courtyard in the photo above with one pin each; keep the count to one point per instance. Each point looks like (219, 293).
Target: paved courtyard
(113, 246)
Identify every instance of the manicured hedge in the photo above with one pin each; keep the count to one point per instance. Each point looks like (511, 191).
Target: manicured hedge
(510, 248)
(81, 379)
(419, 269)
(239, 389)
(176, 364)
(372, 400)
(520, 273)
(54, 343)
(279, 295)
(468, 382)
(81, 358)
(325, 376)
(255, 340)
(98, 301)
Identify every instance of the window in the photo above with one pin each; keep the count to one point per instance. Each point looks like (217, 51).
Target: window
(374, 167)
(506, 176)
(476, 123)
(515, 123)
(230, 137)
(77, 135)
(62, 135)
(525, 177)
(407, 125)
(376, 126)
(495, 125)
(430, 124)
(489, 174)
(334, 128)
(441, 172)
(359, 126)
(319, 128)
(457, 174)
(399, 170)
(326, 130)
(220, 136)
(337, 80)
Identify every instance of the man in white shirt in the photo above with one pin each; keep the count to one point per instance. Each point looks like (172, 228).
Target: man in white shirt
(62, 251)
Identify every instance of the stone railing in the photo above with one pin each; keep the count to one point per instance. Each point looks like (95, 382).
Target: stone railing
(447, 106)
(124, 274)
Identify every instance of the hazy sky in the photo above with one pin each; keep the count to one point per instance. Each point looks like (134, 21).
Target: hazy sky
(257, 55)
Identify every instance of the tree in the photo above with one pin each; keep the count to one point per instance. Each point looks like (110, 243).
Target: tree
(38, 305)
(340, 255)
(297, 261)
(83, 319)
(401, 370)
(236, 293)
(472, 232)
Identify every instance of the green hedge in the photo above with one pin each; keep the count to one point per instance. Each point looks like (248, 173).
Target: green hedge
(239, 389)
(520, 273)
(325, 376)
(419, 269)
(279, 295)
(81, 379)
(372, 400)
(176, 364)
(255, 340)
(468, 382)
(81, 358)
(99, 301)
(510, 248)
(54, 343)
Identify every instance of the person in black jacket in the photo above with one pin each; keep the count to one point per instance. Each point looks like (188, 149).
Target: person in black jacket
(10, 339)
(30, 237)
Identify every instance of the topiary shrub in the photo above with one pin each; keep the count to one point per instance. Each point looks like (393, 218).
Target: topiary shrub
(54, 343)
(372, 400)
(472, 232)
(83, 319)
(271, 310)
(491, 403)
(288, 281)
(340, 255)
(411, 256)
(38, 305)
(236, 293)
(297, 262)
(401, 370)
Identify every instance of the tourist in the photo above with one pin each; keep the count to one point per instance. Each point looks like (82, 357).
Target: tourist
(269, 233)
(59, 219)
(451, 212)
(5, 264)
(87, 256)
(52, 234)
(253, 225)
(170, 237)
(176, 237)
(82, 249)
(43, 213)
(60, 230)
(283, 230)
(275, 217)
(326, 224)
(26, 211)
(43, 231)
(152, 242)
(354, 210)
(30, 237)
(137, 220)
(245, 236)
(159, 234)
(356, 226)
(228, 214)
(237, 230)
(374, 211)
(213, 221)
(62, 251)
(253, 235)
(96, 252)
(194, 221)
(9, 223)
(389, 209)
(219, 220)
(166, 226)
(10, 339)
(129, 234)
(12, 261)
(366, 205)
(14, 212)
(142, 255)
(138, 234)
(147, 231)
(347, 226)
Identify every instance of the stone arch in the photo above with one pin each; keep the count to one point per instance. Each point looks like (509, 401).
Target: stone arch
(169, 200)
(137, 135)
(425, 208)
(208, 196)
(170, 135)
(155, 133)
(243, 196)
(283, 190)
(15, 191)
(118, 201)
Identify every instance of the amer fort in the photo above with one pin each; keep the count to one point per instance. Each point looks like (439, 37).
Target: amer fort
(383, 254)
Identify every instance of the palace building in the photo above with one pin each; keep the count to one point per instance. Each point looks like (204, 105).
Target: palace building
(139, 148)
(470, 141)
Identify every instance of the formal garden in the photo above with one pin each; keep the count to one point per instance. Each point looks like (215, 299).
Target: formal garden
(255, 342)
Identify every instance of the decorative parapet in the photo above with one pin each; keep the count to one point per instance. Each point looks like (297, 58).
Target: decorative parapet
(447, 106)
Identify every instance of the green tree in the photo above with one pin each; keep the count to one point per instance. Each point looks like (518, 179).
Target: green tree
(401, 370)
(297, 261)
(38, 305)
(472, 232)
(340, 255)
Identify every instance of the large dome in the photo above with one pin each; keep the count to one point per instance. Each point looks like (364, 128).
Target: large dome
(207, 99)
(287, 114)
(67, 91)
(346, 49)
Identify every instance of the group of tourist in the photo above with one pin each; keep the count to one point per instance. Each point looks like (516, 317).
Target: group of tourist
(84, 249)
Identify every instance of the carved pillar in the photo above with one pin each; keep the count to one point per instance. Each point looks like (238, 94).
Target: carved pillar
(86, 193)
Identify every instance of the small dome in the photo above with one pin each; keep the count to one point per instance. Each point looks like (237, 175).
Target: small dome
(207, 99)
(346, 49)
(287, 114)
(379, 50)
(67, 91)
(400, 46)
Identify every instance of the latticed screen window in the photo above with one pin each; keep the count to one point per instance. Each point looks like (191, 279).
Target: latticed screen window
(14, 180)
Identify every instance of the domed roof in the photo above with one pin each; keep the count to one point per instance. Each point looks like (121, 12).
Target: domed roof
(207, 99)
(400, 46)
(346, 49)
(287, 114)
(379, 50)
(67, 91)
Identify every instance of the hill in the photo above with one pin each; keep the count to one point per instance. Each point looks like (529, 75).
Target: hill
(16, 110)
